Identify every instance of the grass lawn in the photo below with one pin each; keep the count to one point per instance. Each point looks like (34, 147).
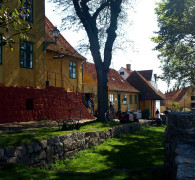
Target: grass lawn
(14, 138)
(137, 156)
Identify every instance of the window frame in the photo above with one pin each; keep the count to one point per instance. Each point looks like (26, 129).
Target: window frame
(192, 105)
(192, 98)
(122, 73)
(125, 99)
(25, 5)
(111, 97)
(71, 70)
(26, 51)
(130, 99)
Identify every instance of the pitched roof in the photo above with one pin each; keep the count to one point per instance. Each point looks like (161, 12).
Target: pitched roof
(128, 71)
(147, 91)
(62, 46)
(177, 95)
(147, 74)
(115, 81)
(171, 94)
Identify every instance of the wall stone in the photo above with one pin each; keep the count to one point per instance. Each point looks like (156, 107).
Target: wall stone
(58, 147)
(180, 146)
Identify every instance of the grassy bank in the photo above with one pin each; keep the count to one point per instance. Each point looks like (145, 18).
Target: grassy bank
(137, 156)
(14, 138)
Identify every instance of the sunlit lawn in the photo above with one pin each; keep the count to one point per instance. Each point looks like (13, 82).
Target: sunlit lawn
(137, 156)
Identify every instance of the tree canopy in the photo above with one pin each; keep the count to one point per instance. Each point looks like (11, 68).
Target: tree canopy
(176, 40)
(100, 19)
(12, 21)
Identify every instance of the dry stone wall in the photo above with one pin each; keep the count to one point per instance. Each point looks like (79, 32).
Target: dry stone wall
(180, 146)
(58, 147)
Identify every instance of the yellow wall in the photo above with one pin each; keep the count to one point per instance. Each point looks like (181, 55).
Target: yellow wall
(11, 74)
(185, 102)
(148, 105)
(90, 86)
(60, 69)
(193, 101)
(124, 107)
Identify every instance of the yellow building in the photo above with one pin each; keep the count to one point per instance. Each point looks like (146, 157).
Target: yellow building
(148, 94)
(123, 95)
(63, 62)
(25, 65)
(183, 97)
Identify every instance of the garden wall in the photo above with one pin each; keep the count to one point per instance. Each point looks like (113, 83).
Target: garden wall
(20, 104)
(58, 147)
(180, 146)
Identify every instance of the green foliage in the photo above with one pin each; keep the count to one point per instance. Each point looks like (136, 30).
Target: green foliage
(11, 19)
(131, 156)
(175, 106)
(176, 39)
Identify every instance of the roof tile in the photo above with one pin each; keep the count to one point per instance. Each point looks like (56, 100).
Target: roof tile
(115, 81)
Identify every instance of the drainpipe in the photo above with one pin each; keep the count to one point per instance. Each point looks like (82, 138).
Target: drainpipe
(83, 80)
(82, 75)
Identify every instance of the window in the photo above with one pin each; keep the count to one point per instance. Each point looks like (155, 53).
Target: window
(29, 104)
(122, 73)
(0, 49)
(130, 99)
(28, 9)
(72, 69)
(26, 54)
(125, 99)
(193, 98)
(192, 105)
(135, 99)
(112, 97)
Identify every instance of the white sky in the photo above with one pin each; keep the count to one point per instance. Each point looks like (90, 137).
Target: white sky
(144, 24)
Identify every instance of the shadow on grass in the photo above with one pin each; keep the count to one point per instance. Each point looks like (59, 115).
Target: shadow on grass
(131, 156)
(137, 156)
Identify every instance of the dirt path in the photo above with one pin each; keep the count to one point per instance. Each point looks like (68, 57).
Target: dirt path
(32, 124)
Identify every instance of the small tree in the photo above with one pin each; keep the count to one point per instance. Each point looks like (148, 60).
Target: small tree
(100, 20)
(176, 41)
(13, 19)
(175, 106)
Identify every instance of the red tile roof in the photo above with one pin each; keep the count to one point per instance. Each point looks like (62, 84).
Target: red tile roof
(180, 95)
(62, 46)
(147, 91)
(115, 81)
(171, 94)
(128, 71)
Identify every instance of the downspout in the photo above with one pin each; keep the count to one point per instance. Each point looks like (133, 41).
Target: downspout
(82, 75)
(83, 80)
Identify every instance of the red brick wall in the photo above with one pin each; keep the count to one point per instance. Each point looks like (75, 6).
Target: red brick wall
(50, 103)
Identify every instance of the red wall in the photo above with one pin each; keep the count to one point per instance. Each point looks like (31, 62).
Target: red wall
(51, 103)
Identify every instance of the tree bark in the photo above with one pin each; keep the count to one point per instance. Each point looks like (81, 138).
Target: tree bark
(102, 91)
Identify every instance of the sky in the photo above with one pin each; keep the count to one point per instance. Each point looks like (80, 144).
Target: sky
(142, 56)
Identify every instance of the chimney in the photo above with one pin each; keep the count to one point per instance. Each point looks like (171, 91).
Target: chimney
(128, 66)
(155, 77)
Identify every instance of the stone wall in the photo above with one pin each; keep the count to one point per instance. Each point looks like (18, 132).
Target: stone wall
(58, 147)
(180, 146)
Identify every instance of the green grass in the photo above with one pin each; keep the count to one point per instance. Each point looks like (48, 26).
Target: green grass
(14, 138)
(137, 156)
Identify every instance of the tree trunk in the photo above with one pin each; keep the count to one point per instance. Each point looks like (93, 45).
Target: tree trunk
(102, 92)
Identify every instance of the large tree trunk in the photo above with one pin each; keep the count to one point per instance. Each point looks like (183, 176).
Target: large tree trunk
(102, 92)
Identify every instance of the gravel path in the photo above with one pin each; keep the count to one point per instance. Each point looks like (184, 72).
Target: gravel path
(32, 124)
